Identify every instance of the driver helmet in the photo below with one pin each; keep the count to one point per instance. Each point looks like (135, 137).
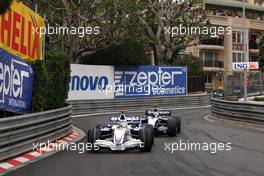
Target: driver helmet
(155, 112)
(123, 121)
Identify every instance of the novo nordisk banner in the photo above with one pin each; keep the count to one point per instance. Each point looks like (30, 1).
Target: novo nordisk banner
(91, 82)
(16, 80)
(150, 81)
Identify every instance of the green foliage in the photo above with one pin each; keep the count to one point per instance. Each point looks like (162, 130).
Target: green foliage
(58, 67)
(128, 53)
(259, 99)
(195, 71)
(194, 64)
(261, 54)
(40, 86)
(50, 88)
(5, 5)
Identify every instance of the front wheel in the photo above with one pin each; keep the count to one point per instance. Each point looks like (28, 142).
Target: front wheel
(92, 136)
(146, 136)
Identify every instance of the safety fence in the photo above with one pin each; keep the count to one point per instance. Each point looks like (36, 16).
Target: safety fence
(134, 104)
(18, 133)
(242, 111)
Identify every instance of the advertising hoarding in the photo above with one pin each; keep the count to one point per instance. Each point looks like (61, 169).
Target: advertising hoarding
(91, 82)
(150, 81)
(20, 32)
(16, 80)
(245, 65)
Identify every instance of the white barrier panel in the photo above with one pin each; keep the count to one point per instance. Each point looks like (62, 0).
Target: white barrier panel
(91, 82)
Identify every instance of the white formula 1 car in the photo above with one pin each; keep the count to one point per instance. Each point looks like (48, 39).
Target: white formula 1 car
(162, 121)
(122, 133)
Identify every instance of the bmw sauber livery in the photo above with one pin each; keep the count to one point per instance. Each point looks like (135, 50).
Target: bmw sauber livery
(122, 133)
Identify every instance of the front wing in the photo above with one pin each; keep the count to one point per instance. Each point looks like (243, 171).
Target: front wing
(133, 143)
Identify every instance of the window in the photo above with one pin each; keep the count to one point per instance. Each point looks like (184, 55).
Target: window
(208, 79)
(210, 58)
(254, 41)
(238, 57)
(253, 58)
(258, 2)
(237, 40)
(237, 36)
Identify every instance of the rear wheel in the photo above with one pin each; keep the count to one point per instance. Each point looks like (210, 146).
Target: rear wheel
(172, 127)
(98, 126)
(178, 122)
(92, 136)
(146, 136)
(147, 112)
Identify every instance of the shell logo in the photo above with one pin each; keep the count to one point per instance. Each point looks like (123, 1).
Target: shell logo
(17, 34)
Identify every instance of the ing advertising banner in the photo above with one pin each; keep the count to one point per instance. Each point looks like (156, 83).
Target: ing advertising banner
(20, 32)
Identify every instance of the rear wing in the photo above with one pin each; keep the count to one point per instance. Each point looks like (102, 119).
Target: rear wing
(162, 112)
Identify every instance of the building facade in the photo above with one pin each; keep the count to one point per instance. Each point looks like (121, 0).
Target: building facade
(219, 52)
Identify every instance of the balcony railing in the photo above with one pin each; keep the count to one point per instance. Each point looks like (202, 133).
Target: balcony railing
(213, 41)
(223, 21)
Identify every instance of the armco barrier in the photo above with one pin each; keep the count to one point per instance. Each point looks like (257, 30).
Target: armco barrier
(17, 134)
(102, 106)
(242, 111)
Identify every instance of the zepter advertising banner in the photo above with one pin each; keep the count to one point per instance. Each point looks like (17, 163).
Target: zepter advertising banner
(144, 81)
(16, 81)
(20, 32)
(91, 82)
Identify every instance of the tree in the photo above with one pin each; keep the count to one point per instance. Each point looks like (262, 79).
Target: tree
(110, 16)
(159, 16)
(261, 53)
(5, 5)
(146, 21)
(194, 64)
(129, 52)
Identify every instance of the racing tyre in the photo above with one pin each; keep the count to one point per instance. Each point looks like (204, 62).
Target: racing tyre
(146, 136)
(147, 112)
(172, 127)
(178, 122)
(152, 133)
(93, 135)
